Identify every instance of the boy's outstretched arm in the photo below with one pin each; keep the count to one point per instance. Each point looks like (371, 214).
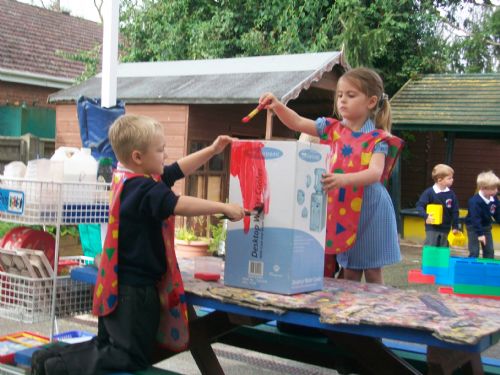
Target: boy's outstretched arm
(192, 206)
(287, 116)
(192, 162)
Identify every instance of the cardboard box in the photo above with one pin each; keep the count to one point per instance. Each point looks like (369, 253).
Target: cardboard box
(280, 247)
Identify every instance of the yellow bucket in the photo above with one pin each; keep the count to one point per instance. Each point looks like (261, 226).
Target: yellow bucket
(436, 210)
(456, 239)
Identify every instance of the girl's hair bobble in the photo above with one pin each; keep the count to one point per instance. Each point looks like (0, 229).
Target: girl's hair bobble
(382, 99)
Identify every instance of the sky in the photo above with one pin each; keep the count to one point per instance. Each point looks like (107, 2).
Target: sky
(87, 10)
(78, 8)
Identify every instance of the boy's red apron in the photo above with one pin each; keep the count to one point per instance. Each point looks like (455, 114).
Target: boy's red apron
(173, 332)
(351, 152)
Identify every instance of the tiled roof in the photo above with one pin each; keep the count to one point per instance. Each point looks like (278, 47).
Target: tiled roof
(458, 102)
(31, 36)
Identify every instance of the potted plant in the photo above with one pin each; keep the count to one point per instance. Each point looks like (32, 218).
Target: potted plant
(188, 244)
(218, 234)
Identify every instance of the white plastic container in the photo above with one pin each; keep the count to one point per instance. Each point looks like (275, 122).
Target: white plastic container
(40, 192)
(80, 176)
(37, 170)
(15, 169)
(57, 160)
(81, 167)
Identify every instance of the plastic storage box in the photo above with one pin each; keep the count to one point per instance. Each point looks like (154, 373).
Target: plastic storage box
(14, 342)
(29, 300)
(73, 337)
(436, 210)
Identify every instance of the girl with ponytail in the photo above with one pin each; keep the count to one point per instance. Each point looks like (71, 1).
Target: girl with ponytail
(361, 222)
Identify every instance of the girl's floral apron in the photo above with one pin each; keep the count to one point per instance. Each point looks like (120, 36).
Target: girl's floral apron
(351, 152)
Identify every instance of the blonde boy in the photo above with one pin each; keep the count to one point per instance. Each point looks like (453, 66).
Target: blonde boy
(483, 208)
(440, 193)
(134, 286)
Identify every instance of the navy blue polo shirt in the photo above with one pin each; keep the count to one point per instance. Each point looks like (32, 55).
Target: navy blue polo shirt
(144, 205)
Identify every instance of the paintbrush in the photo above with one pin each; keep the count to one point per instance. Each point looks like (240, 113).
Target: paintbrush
(259, 108)
(256, 211)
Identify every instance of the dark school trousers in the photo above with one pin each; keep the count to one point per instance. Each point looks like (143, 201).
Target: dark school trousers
(436, 238)
(126, 338)
(474, 244)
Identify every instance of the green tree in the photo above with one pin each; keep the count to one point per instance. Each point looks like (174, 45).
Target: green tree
(89, 58)
(398, 38)
(474, 33)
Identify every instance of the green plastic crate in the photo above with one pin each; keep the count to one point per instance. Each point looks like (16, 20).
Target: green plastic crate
(433, 256)
(480, 290)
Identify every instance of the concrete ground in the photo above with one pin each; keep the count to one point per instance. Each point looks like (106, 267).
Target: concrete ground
(239, 361)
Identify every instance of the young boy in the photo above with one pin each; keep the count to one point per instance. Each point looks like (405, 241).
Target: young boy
(139, 295)
(439, 193)
(482, 207)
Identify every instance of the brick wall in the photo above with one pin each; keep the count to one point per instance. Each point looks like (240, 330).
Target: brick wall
(16, 93)
(174, 118)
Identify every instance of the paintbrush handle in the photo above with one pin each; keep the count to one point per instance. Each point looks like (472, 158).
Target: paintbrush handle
(221, 217)
(259, 108)
(254, 112)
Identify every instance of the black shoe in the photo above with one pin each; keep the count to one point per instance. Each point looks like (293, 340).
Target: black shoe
(43, 354)
(55, 366)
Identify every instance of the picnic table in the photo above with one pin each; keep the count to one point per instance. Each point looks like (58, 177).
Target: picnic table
(354, 316)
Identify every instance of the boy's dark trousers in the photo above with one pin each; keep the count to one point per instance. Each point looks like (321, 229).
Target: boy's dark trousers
(125, 339)
(488, 251)
(436, 238)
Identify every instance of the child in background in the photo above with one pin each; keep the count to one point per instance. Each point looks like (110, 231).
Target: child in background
(439, 193)
(360, 216)
(483, 207)
(139, 294)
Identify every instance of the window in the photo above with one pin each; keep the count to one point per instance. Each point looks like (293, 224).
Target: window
(210, 181)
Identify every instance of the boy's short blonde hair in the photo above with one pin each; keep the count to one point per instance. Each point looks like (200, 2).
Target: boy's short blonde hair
(487, 180)
(441, 171)
(130, 132)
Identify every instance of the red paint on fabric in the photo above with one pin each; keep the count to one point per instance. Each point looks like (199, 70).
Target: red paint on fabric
(249, 165)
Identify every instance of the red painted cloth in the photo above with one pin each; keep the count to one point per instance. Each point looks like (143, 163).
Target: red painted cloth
(351, 152)
(248, 164)
(173, 331)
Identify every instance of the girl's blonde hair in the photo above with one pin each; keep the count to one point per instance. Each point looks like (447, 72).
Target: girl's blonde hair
(130, 132)
(487, 180)
(369, 82)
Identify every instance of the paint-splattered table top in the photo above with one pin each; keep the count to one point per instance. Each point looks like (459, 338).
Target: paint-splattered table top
(449, 318)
